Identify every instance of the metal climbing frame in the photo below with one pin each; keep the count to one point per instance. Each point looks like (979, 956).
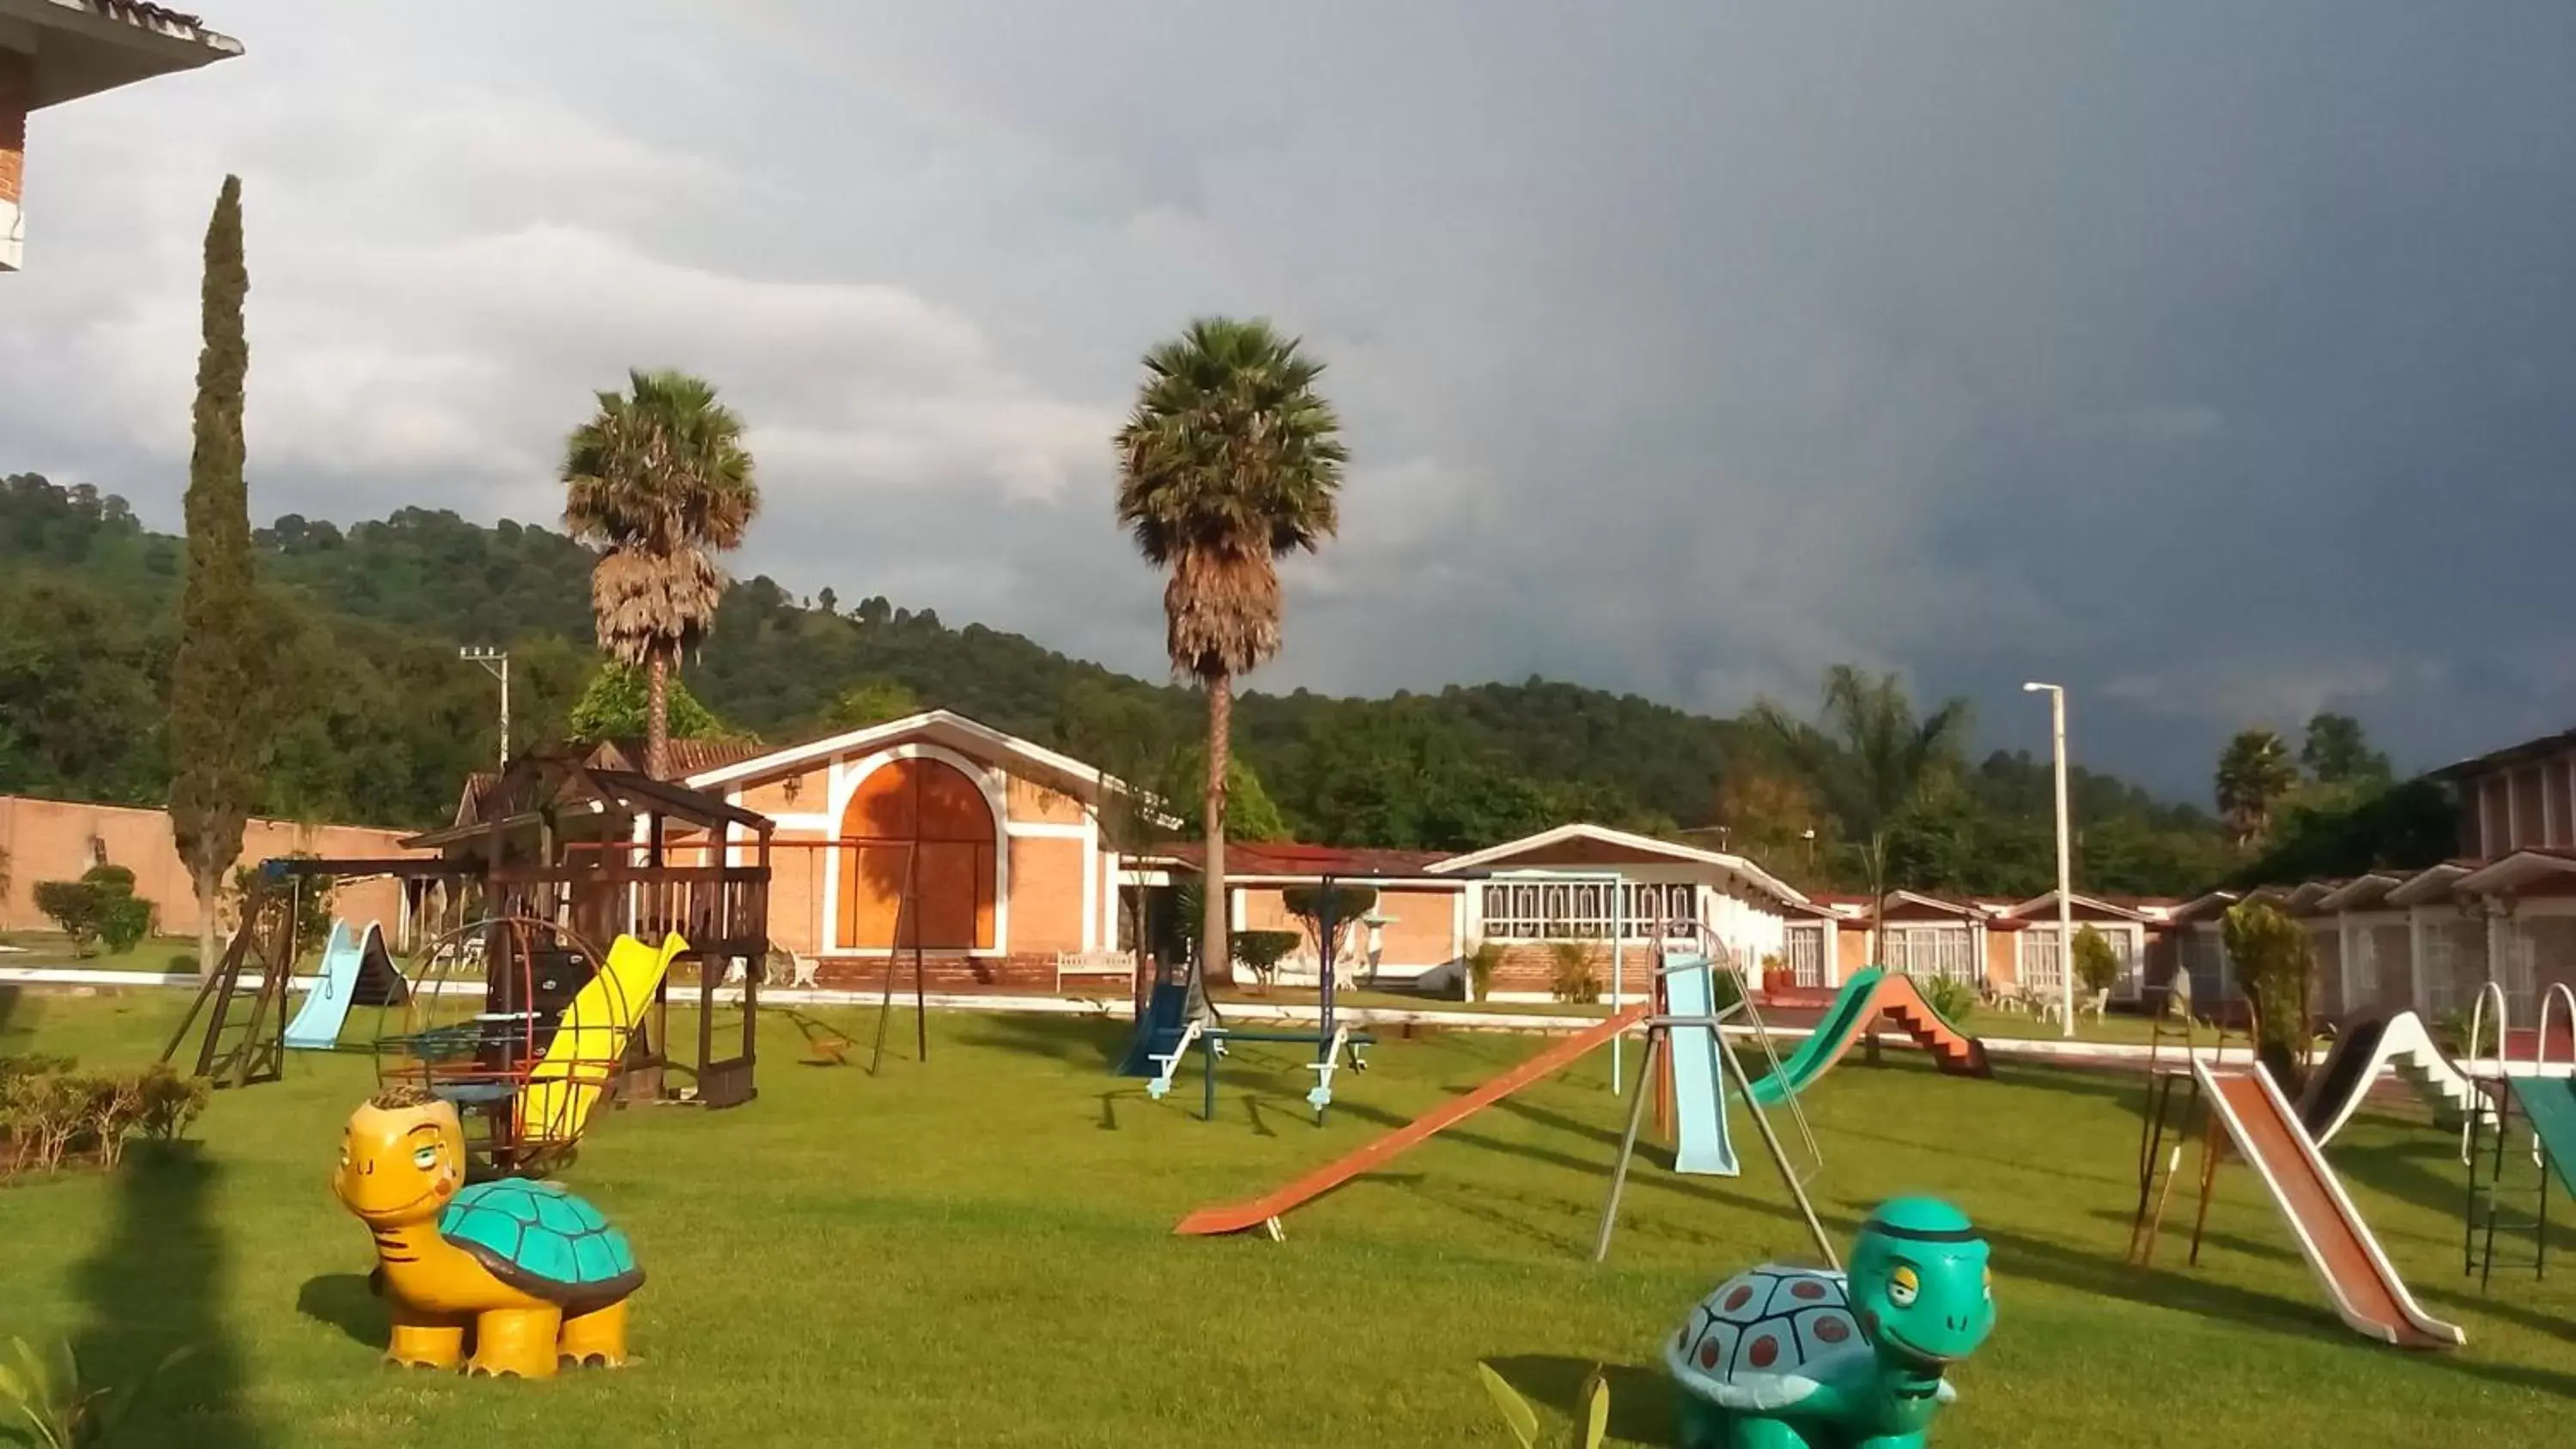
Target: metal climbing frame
(2484, 1207)
(1658, 1051)
(2176, 1026)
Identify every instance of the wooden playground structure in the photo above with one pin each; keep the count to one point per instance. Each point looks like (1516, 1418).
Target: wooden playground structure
(561, 855)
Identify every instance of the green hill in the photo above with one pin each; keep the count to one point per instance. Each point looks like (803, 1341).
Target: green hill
(383, 721)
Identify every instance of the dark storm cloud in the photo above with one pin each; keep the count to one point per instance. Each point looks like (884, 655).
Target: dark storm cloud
(2215, 360)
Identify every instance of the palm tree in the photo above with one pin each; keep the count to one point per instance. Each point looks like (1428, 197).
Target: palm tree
(1870, 760)
(1231, 459)
(658, 480)
(2254, 775)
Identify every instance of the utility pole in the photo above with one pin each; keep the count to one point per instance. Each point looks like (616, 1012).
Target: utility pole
(2065, 858)
(495, 662)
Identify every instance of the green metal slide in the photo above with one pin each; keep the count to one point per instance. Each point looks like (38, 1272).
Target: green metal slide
(1825, 1045)
(2550, 1105)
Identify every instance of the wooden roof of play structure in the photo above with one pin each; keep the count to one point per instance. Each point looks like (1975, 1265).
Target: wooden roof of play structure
(570, 796)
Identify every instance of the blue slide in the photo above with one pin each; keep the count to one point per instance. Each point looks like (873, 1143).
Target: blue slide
(355, 967)
(1700, 1143)
(1159, 1031)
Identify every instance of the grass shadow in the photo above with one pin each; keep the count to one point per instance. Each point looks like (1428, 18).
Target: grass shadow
(1080, 1041)
(155, 1285)
(1641, 1398)
(345, 1302)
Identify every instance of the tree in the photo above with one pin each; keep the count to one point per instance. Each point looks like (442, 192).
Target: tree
(216, 729)
(829, 602)
(2278, 962)
(659, 481)
(2254, 774)
(2337, 751)
(1129, 738)
(1343, 905)
(1870, 760)
(1231, 458)
(617, 705)
(1249, 811)
(1771, 816)
(870, 700)
(2097, 966)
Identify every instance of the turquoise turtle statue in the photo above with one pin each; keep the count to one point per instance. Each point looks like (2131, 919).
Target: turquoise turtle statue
(1795, 1358)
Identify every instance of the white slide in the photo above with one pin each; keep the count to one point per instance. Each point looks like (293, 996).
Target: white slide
(2402, 1045)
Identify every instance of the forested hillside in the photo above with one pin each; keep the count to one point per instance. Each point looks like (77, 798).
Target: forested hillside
(381, 721)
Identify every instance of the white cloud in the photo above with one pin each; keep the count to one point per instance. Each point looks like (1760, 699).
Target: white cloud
(1659, 374)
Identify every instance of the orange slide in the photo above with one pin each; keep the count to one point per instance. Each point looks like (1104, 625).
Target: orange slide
(1236, 1217)
(2347, 1260)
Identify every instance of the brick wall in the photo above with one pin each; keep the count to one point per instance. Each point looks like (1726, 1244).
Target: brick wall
(51, 840)
(17, 88)
(1046, 894)
(1530, 967)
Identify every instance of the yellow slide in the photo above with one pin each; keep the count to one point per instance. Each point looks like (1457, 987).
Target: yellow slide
(591, 1040)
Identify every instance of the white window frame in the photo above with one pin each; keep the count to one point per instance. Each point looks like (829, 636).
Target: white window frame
(1527, 909)
(1802, 949)
(1951, 946)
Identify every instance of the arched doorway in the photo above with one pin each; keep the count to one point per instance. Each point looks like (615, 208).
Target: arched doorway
(926, 815)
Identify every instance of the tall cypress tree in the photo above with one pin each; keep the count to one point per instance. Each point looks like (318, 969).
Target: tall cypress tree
(214, 684)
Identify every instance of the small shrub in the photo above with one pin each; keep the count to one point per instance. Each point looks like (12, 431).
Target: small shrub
(45, 1112)
(1260, 952)
(49, 1110)
(1573, 980)
(1953, 999)
(169, 1103)
(2451, 1032)
(2097, 966)
(111, 880)
(1725, 990)
(73, 906)
(1482, 963)
(123, 922)
(99, 908)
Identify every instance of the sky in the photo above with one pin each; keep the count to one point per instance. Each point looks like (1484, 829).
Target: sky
(2216, 361)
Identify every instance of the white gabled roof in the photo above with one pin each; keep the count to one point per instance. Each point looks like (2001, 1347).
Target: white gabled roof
(2361, 890)
(2516, 870)
(1743, 870)
(933, 722)
(2429, 884)
(2046, 901)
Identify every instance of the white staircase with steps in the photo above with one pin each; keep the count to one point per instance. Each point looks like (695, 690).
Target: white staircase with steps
(2409, 1051)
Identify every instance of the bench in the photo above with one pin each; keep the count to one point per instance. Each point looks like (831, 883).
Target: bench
(1121, 964)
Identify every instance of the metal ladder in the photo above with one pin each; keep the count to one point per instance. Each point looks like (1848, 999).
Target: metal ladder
(2487, 1189)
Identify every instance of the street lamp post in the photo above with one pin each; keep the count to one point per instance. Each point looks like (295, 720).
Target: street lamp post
(495, 662)
(2065, 903)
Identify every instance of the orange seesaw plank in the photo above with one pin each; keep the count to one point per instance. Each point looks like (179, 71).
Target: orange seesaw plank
(1238, 1217)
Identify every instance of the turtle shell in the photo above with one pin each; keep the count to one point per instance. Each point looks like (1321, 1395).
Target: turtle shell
(543, 1241)
(1767, 1338)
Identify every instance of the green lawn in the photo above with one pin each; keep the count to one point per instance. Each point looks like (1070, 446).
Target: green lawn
(975, 1251)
